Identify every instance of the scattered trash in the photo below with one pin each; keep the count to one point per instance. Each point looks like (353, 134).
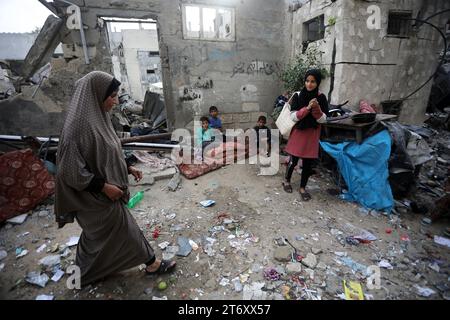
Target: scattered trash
(281, 241)
(50, 261)
(44, 297)
(73, 241)
(23, 234)
(177, 227)
(426, 221)
(43, 213)
(224, 282)
(434, 266)
(58, 275)
(271, 274)
(388, 231)
(170, 252)
(207, 203)
(404, 238)
(37, 278)
(237, 284)
(171, 216)
(193, 245)
(2, 265)
(355, 266)
(156, 233)
(134, 200)
(159, 298)
(66, 253)
(285, 292)
(185, 247)
(442, 241)
(164, 245)
(424, 291)
(3, 254)
(54, 248)
(353, 290)
(385, 264)
(162, 285)
(340, 253)
(41, 248)
(352, 241)
(20, 252)
(18, 219)
(254, 292)
(360, 234)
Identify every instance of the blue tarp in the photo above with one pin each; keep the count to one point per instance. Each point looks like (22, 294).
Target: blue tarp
(365, 170)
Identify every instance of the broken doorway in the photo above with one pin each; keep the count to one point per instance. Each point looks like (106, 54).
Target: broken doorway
(134, 49)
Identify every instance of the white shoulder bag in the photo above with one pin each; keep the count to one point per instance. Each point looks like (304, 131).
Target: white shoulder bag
(285, 123)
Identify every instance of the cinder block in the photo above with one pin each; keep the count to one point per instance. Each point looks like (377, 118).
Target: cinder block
(242, 117)
(164, 174)
(227, 118)
(250, 106)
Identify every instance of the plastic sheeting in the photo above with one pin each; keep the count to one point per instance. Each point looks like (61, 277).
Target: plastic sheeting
(365, 170)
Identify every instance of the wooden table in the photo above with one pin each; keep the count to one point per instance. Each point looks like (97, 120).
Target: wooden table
(347, 130)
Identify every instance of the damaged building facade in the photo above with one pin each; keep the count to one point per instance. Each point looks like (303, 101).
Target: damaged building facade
(235, 60)
(381, 64)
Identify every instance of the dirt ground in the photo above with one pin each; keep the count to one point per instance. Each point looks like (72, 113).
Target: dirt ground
(261, 213)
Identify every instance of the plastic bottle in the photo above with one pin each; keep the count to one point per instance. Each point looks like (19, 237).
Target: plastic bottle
(135, 199)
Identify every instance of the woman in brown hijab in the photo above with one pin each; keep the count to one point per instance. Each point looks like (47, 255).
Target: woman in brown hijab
(91, 185)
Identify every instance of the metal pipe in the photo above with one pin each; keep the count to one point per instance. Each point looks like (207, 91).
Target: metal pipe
(149, 137)
(128, 21)
(56, 140)
(152, 145)
(83, 39)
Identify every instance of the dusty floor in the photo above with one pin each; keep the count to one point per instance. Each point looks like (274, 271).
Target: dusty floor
(264, 213)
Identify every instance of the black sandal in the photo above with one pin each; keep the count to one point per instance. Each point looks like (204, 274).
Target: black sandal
(165, 267)
(305, 196)
(287, 187)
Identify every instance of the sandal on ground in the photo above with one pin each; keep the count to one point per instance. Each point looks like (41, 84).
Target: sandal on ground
(165, 267)
(305, 196)
(287, 187)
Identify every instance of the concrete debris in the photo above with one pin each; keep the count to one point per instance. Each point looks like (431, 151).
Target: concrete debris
(310, 261)
(254, 291)
(37, 278)
(293, 267)
(184, 247)
(283, 254)
(18, 219)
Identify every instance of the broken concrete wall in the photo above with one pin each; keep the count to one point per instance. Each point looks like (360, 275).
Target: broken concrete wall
(237, 76)
(371, 65)
(21, 116)
(134, 42)
(44, 46)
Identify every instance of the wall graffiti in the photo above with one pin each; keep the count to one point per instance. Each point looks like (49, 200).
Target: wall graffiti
(257, 67)
(188, 94)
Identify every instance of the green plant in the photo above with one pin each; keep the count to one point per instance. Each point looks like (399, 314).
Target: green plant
(331, 21)
(293, 74)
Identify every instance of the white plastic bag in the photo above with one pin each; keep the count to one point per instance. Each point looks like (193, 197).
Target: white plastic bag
(284, 121)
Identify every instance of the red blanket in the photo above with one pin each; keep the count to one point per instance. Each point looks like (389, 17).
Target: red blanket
(24, 183)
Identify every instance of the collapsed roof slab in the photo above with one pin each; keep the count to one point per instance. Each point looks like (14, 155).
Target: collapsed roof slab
(43, 48)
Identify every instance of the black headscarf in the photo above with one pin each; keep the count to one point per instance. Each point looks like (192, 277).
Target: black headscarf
(113, 87)
(302, 100)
